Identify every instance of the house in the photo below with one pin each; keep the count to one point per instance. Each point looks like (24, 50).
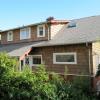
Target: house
(57, 44)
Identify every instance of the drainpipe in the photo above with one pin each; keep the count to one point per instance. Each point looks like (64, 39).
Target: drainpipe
(89, 55)
(90, 62)
(90, 71)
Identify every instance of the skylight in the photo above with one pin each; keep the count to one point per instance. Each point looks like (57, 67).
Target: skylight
(71, 24)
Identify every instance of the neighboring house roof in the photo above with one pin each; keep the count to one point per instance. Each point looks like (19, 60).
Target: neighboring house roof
(86, 30)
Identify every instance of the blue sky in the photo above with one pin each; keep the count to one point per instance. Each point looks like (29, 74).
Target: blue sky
(15, 13)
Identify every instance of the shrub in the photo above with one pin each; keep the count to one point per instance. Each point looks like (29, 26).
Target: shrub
(28, 85)
(98, 71)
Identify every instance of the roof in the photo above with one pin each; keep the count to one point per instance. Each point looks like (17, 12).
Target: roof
(86, 30)
(18, 50)
(45, 22)
(23, 26)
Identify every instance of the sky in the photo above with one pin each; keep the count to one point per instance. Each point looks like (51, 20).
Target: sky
(15, 13)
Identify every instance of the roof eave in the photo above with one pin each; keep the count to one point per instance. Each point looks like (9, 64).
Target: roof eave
(23, 26)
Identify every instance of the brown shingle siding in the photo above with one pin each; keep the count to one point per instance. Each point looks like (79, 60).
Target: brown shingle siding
(82, 66)
(16, 36)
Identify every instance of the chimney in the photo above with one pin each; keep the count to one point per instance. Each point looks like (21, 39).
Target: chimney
(50, 19)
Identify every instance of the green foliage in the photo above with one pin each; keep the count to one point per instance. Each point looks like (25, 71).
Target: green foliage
(6, 61)
(28, 85)
(98, 71)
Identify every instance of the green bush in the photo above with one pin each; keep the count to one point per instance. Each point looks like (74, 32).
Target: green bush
(76, 90)
(28, 85)
(98, 71)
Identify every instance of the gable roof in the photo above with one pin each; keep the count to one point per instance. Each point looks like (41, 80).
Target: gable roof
(86, 30)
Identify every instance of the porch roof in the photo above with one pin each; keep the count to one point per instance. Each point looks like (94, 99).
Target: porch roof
(18, 50)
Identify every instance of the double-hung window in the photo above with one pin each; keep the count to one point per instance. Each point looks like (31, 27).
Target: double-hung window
(25, 33)
(41, 31)
(64, 58)
(10, 36)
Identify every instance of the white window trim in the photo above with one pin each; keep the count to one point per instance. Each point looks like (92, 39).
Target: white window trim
(8, 36)
(38, 34)
(68, 53)
(29, 33)
(32, 60)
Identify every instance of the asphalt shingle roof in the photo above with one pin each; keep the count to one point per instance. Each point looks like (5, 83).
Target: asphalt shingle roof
(17, 49)
(86, 30)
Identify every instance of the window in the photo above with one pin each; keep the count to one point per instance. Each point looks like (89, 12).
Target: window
(10, 36)
(36, 59)
(64, 58)
(71, 24)
(25, 33)
(26, 60)
(41, 31)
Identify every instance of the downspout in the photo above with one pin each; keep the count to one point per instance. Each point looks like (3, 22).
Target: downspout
(89, 58)
(90, 72)
(90, 61)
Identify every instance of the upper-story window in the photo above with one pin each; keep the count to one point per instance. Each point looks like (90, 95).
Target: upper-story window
(25, 33)
(10, 36)
(41, 31)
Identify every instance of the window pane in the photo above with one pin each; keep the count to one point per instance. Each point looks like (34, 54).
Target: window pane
(36, 60)
(27, 60)
(25, 33)
(10, 36)
(41, 31)
(41, 28)
(65, 58)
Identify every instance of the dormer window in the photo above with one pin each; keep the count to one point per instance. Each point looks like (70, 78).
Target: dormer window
(41, 31)
(10, 36)
(25, 33)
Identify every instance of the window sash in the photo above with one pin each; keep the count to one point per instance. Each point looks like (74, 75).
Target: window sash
(41, 31)
(10, 36)
(36, 60)
(25, 33)
(65, 58)
(39, 59)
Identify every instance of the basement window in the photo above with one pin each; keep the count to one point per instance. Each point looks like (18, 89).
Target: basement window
(64, 58)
